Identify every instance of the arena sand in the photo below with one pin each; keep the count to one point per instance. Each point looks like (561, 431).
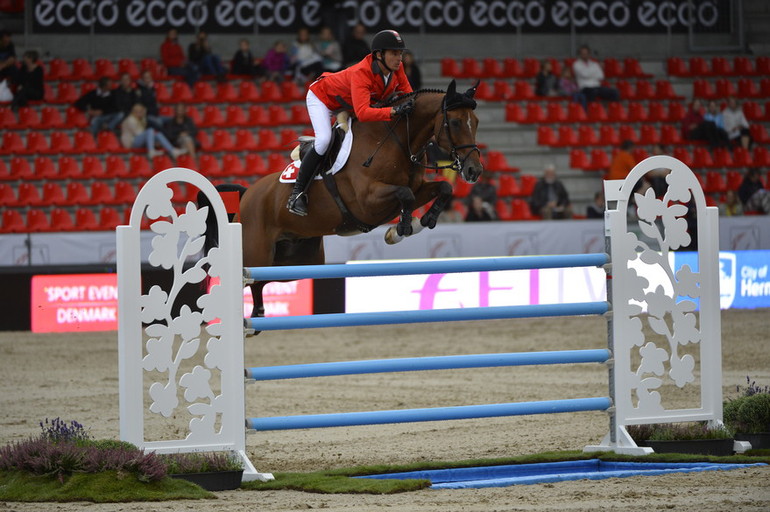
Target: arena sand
(74, 377)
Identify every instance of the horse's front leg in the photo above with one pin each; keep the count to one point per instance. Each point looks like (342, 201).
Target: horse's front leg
(442, 191)
(406, 200)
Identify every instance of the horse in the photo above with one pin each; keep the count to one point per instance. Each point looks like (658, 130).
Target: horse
(384, 177)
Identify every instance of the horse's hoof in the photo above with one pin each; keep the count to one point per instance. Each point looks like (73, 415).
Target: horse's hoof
(392, 237)
(404, 229)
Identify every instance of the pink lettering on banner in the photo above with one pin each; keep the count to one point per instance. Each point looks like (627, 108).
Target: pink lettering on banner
(294, 298)
(74, 302)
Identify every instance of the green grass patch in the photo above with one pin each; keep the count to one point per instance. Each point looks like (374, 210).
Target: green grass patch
(340, 481)
(104, 487)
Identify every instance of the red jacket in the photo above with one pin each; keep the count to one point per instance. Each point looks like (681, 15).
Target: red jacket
(358, 86)
(172, 54)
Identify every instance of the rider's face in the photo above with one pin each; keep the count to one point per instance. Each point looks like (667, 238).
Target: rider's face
(392, 58)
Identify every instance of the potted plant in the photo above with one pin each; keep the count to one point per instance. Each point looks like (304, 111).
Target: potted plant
(213, 471)
(749, 415)
(695, 438)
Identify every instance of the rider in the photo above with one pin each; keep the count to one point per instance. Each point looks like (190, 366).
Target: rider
(378, 76)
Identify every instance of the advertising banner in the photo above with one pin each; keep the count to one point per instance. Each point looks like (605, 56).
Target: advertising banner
(452, 16)
(74, 302)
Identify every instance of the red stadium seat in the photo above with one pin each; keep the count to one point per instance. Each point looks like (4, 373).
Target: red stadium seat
(61, 220)
(58, 69)
(616, 112)
(725, 88)
(508, 186)
(703, 89)
(675, 66)
(511, 68)
(682, 154)
(62, 144)
(578, 159)
(84, 143)
(86, 220)
(82, 70)
(449, 67)
(8, 196)
(277, 161)
(535, 113)
(637, 112)
(37, 143)
(471, 68)
(74, 118)
(523, 91)
(27, 119)
(596, 112)
(180, 92)
(277, 116)
(600, 161)
(645, 90)
(715, 183)
(53, 194)
(255, 165)
(664, 90)
(268, 140)
(13, 222)
(527, 184)
(248, 92)
(232, 165)
(531, 67)
(633, 69)
(492, 68)
(101, 193)
(105, 68)
(129, 66)
(733, 180)
(576, 113)
(496, 162)
(70, 169)
(555, 113)
(236, 116)
(21, 170)
(245, 141)
(567, 136)
(221, 140)
(721, 67)
(514, 113)
(290, 91)
(226, 93)
(656, 113)
(114, 166)
(107, 142)
(627, 132)
(609, 136)
(701, 158)
(139, 167)
(109, 219)
(587, 135)
(612, 68)
(299, 115)
(546, 136)
(212, 117)
(45, 169)
(125, 193)
(741, 157)
(699, 67)
(29, 195)
(676, 112)
(37, 221)
(161, 163)
(209, 166)
(742, 66)
(203, 92)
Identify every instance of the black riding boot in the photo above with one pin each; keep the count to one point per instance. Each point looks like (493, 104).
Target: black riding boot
(297, 203)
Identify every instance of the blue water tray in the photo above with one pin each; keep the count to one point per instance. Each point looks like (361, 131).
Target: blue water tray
(517, 474)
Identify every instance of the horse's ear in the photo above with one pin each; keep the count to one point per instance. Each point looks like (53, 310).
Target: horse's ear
(472, 91)
(452, 89)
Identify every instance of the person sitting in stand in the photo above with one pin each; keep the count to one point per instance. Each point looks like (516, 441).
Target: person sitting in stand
(330, 50)
(135, 133)
(736, 125)
(485, 189)
(595, 210)
(172, 56)
(753, 194)
(8, 68)
(568, 87)
(589, 76)
(546, 83)
(125, 95)
(622, 162)
(308, 63)
(355, 46)
(714, 115)
(695, 126)
(480, 211)
(731, 207)
(181, 131)
(99, 106)
(243, 62)
(29, 81)
(276, 62)
(199, 52)
(377, 77)
(550, 199)
(412, 71)
(148, 96)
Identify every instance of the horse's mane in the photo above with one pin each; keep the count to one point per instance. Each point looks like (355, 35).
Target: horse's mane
(395, 99)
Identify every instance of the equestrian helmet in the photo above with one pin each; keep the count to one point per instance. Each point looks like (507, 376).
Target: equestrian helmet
(387, 40)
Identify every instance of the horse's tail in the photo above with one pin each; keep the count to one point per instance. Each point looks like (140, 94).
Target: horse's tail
(212, 230)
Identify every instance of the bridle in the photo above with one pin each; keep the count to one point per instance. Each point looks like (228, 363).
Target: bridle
(457, 160)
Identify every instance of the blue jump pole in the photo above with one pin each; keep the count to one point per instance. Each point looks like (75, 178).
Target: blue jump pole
(412, 364)
(435, 315)
(425, 267)
(349, 419)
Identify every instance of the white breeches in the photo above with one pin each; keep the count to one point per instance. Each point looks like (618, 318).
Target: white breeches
(320, 117)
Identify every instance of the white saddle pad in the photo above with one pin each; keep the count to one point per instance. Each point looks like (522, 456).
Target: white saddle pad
(289, 174)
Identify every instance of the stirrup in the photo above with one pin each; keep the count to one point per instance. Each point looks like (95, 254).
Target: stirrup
(297, 204)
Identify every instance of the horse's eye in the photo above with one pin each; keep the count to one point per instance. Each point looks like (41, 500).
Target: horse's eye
(455, 123)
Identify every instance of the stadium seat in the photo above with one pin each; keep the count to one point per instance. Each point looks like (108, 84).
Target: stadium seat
(37, 144)
(567, 136)
(268, 140)
(531, 67)
(83, 143)
(720, 66)
(226, 93)
(608, 135)
(633, 69)
(204, 140)
(212, 117)
(221, 140)
(139, 167)
(235, 116)
(8, 196)
(58, 69)
(683, 154)
(511, 68)
(742, 66)
(109, 219)
(232, 166)
(747, 88)
(503, 210)
(299, 115)
(733, 180)
(114, 166)
(523, 91)
(45, 169)
(701, 158)
(596, 112)
(497, 162)
(154, 66)
(203, 92)
(675, 66)
(125, 193)
(161, 163)
(62, 144)
(461, 189)
(520, 210)
(724, 88)
(484, 91)
(129, 66)
(288, 139)
(492, 68)
(546, 136)
(699, 67)
(277, 162)
(181, 93)
(471, 68)
(51, 118)
(578, 159)
(74, 118)
(7, 119)
(759, 134)
(715, 183)
(245, 141)
(576, 113)
(639, 154)
(61, 220)
(535, 113)
(105, 68)
(187, 161)
(627, 92)
(645, 90)
(82, 70)
(69, 168)
(514, 113)
(86, 220)
(612, 68)
(271, 92)
(656, 112)
(703, 89)
(761, 156)
(13, 222)
(209, 166)
(648, 135)
(664, 90)
(290, 91)
(627, 132)
(20, 169)
(37, 221)
(600, 160)
(257, 116)
(722, 158)
(27, 119)
(527, 184)
(248, 92)
(555, 113)
(508, 186)
(277, 116)
(29, 195)
(741, 157)
(5, 173)
(107, 142)
(77, 194)
(676, 112)
(616, 112)
(254, 165)
(53, 194)
(449, 67)
(637, 112)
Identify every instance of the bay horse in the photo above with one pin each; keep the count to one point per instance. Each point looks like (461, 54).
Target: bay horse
(384, 177)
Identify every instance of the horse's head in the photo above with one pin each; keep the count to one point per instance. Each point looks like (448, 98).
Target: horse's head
(456, 133)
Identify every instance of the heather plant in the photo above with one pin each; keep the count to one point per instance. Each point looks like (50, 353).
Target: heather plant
(57, 430)
(750, 412)
(677, 432)
(180, 463)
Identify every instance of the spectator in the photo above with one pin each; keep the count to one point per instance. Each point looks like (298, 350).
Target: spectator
(307, 62)
(99, 106)
(8, 69)
(657, 177)
(126, 95)
(449, 214)
(546, 83)
(595, 210)
(480, 211)
(622, 162)
(485, 189)
(731, 207)
(148, 96)
(199, 53)
(550, 199)
(244, 63)
(172, 56)
(568, 87)
(29, 81)
(134, 133)
(754, 196)
(330, 50)
(412, 71)
(355, 47)
(589, 76)
(181, 131)
(696, 127)
(736, 125)
(714, 115)
(276, 62)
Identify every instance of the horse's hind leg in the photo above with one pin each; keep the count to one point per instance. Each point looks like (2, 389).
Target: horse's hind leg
(440, 190)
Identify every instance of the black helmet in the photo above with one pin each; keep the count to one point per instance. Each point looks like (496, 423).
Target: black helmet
(387, 40)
